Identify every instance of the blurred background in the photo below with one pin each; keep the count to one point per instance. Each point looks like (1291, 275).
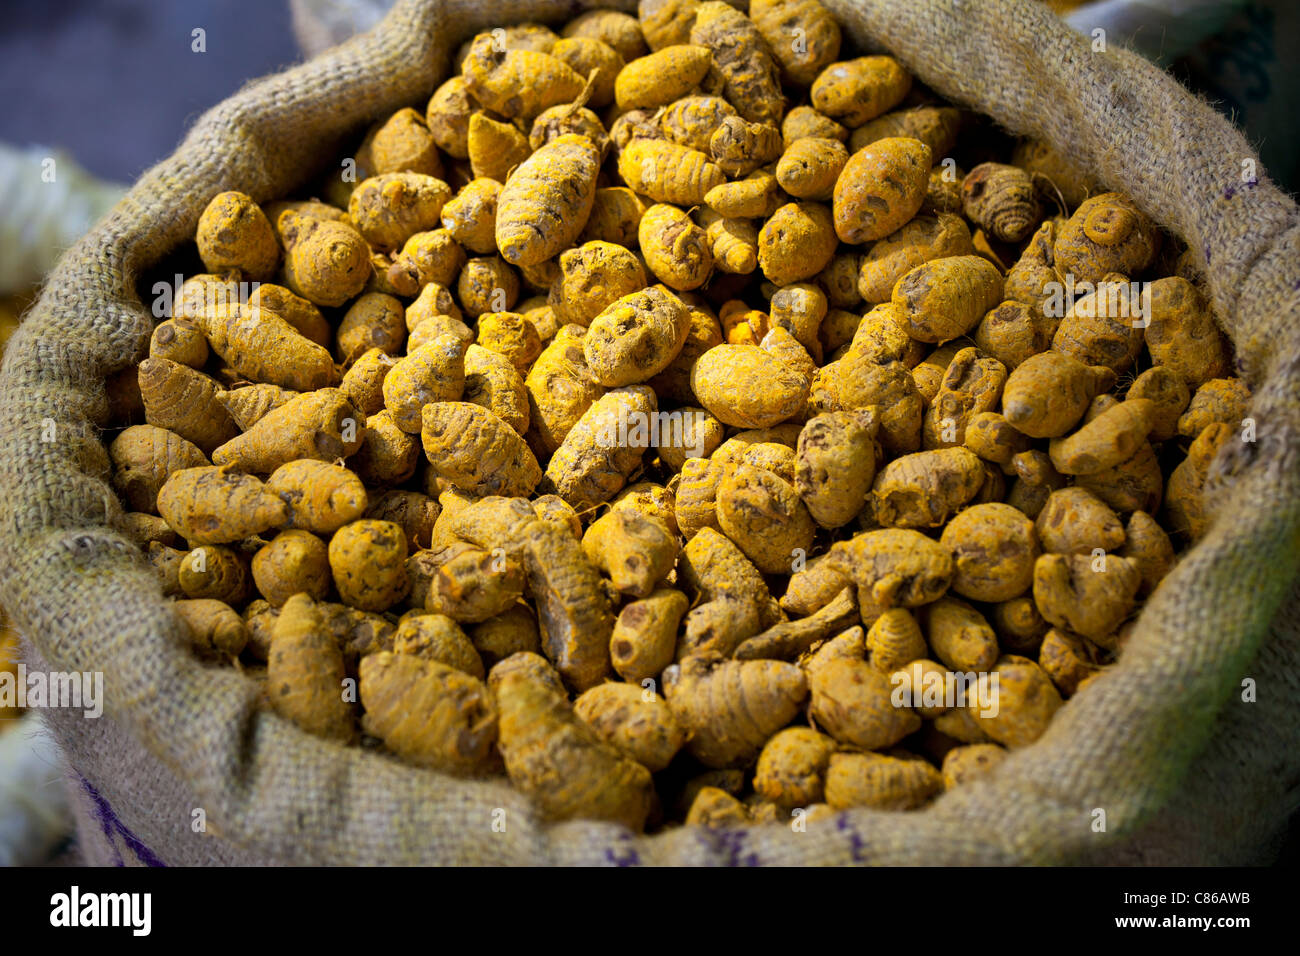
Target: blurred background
(99, 90)
(106, 88)
(116, 83)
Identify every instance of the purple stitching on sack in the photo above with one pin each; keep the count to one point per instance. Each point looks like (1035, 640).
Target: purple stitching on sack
(626, 857)
(111, 824)
(731, 842)
(856, 843)
(734, 841)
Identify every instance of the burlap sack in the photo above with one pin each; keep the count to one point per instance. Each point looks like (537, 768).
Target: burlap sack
(1183, 768)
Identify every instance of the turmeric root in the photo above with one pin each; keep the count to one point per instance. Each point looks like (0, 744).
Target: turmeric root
(751, 82)
(558, 760)
(545, 203)
(184, 401)
(645, 635)
(322, 425)
(214, 505)
(517, 82)
(880, 782)
(881, 188)
(732, 707)
(474, 585)
(635, 720)
(233, 233)
(368, 561)
(321, 497)
(428, 713)
(851, 701)
(476, 450)
(895, 567)
(635, 550)
(144, 457)
(294, 562)
(305, 673)
(215, 628)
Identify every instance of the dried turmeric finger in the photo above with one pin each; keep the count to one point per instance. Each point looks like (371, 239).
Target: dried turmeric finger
(740, 147)
(517, 82)
(895, 567)
(1089, 595)
(404, 144)
(669, 173)
(322, 425)
(214, 505)
(593, 276)
(881, 188)
(435, 372)
(305, 673)
(603, 447)
(1107, 233)
(1016, 710)
(233, 233)
(511, 336)
(558, 760)
(745, 386)
(368, 561)
(263, 347)
(509, 632)
(661, 77)
(495, 149)
(573, 605)
(294, 562)
(325, 262)
(751, 80)
(475, 585)
(144, 457)
(428, 713)
(645, 635)
(435, 637)
(184, 401)
(803, 36)
(215, 628)
(971, 385)
(1002, 200)
(1047, 394)
(447, 117)
(180, 341)
(636, 337)
(796, 242)
(732, 707)
(476, 450)
(676, 250)
(880, 782)
(1106, 441)
(946, 298)
(636, 551)
(923, 489)
(636, 720)
(851, 701)
(855, 91)
(545, 203)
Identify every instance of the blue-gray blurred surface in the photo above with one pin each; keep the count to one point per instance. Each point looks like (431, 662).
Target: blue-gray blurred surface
(117, 83)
